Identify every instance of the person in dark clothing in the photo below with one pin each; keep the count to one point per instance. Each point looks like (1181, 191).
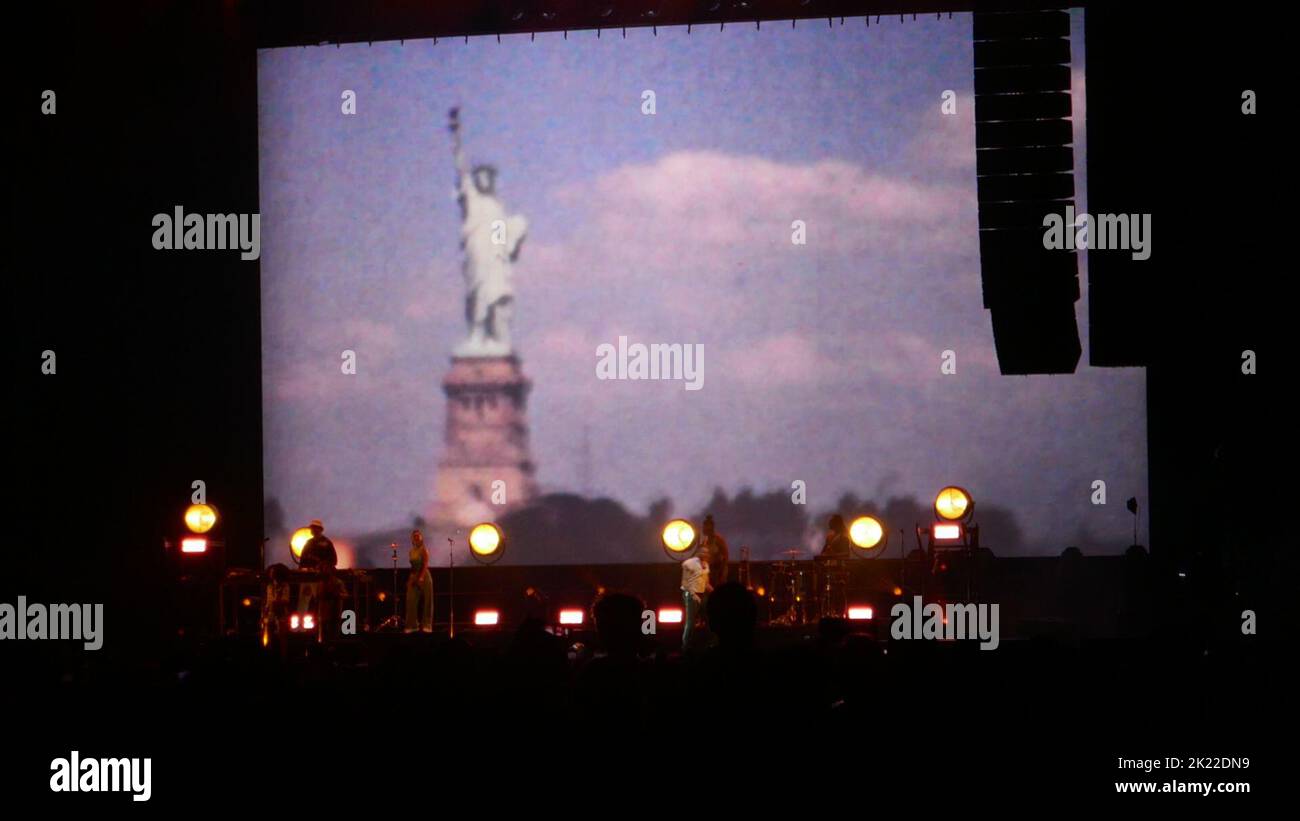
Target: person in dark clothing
(329, 603)
(837, 544)
(716, 546)
(317, 555)
(319, 551)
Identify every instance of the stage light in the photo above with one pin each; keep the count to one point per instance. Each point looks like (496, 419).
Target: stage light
(295, 621)
(571, 617)
(898, 591)
(761, 592)
(953, 504)
(487, 618)
(860, 612)
(670, 615)
(194, 544)
(946, 531)
(298, 541)
(866, 532)
(200, 518)
(678, 537)
(308, 621)
(486, 542)
(247, 602)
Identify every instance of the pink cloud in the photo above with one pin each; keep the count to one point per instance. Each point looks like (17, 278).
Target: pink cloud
(321, 375)
(783, 360)
(946, 141)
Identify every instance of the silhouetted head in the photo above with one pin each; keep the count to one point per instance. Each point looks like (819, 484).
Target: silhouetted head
(732, 615)
(316, 527)
(833, 630)
(708, 525)
(618, 622)
(485, 178)
(417, 538)
(836, 524)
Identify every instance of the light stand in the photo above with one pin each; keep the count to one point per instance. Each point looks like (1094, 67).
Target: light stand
(874, 550)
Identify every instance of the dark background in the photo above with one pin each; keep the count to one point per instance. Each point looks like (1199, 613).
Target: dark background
(158, 352)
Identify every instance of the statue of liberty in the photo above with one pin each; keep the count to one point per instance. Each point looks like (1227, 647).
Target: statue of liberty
(491, 242)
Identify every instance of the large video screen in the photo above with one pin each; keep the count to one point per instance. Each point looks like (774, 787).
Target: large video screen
(581, 285)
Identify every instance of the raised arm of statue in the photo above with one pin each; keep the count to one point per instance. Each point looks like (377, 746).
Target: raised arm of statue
(462, 165)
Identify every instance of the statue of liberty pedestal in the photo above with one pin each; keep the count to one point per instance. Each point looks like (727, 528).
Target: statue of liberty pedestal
(486, 467)
(491, 241)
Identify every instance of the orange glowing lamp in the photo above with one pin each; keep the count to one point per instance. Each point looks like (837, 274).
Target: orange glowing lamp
(298, 541)
(953, 504)
(200, 518)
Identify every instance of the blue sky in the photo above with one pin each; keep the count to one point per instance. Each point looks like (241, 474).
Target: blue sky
(822, 360)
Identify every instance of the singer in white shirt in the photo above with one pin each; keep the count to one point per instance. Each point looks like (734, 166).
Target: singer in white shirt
(695, 585)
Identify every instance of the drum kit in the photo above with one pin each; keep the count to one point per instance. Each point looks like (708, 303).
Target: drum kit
(801, 591)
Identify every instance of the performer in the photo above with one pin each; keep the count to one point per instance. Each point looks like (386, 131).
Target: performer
(319, 550)
(712, 542)
(419, 588)
(837, 544)
(329, 605)
(317, 554)
(275, 607)
(695, 586)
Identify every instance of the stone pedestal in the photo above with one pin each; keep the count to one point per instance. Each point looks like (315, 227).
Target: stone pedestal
(486, 440)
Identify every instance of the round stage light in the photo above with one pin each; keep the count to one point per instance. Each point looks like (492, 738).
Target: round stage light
(953, 504)
(866, 532)
(298, 541)
(486, 542)
(679, 537)
(200, 518)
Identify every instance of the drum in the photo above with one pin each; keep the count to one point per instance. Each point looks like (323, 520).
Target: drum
(788, 586)
(832, 588)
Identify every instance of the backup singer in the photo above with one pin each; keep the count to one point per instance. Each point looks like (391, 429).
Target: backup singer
(419, 588)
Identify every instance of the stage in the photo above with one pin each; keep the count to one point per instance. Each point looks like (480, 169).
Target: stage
(1082, 597)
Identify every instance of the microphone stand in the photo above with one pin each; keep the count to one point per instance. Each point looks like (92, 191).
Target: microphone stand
(451, 588)
(393, 620)
(902, 568)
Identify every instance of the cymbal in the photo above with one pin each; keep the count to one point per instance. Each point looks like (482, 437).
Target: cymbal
(793, 552)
